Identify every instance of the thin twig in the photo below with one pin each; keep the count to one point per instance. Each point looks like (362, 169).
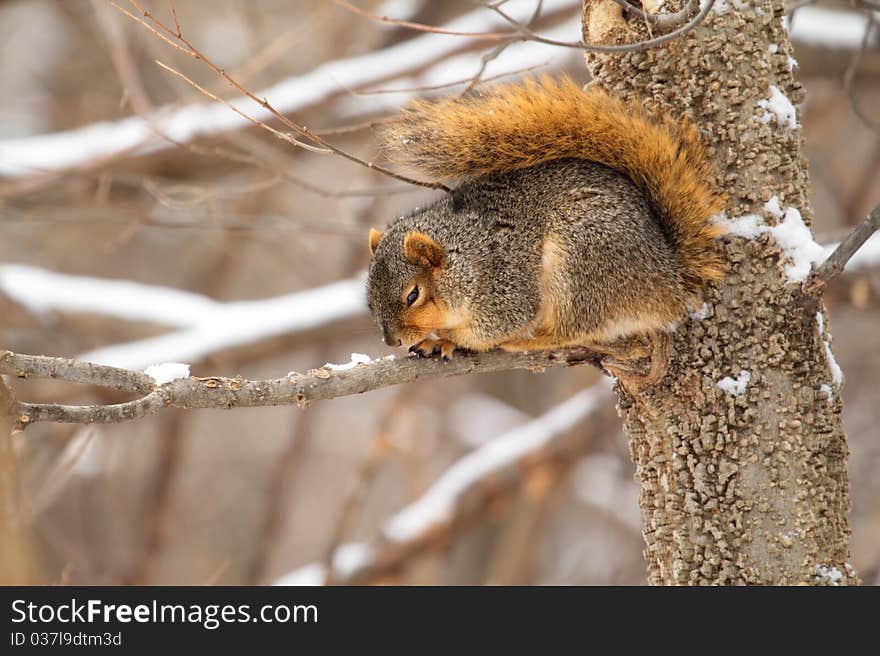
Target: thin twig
(467, 500)
(180, 43)
(528, 35)
(172, 438)
(522, 32)
(833, 266)
(852, 70)
(284, 136)
(663, 21)
(366, 475)
(421, 27)
(122, 60)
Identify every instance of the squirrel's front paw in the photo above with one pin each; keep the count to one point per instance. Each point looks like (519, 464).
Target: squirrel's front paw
(428, 347)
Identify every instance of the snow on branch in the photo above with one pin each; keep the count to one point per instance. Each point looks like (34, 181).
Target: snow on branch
(41, 290)
(135, 135)
(218, 392)
(828, 28)
(208, 326)
(238, 323)
(415, 57)
(461, 493)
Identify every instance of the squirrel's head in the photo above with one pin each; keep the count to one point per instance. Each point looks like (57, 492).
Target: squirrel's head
(402, 284)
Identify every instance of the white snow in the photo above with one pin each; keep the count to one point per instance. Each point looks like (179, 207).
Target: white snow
(167, 372)
(400, 9)
(792, 236)
(829, 28)
(311, 574)
(356, 359)
(41, 291)
(350, 557)
(207, 325)
(749, 226)
(826, 389)
(517, 57)
(347, 559)
(719, 7)
(796, 240)
(773, 48)
(437, 504)
(780, 106)
(236, 323)
(61, 150)
(735, 387)
(830, 574)
(475, 419)
(836, 371)
(773, 207)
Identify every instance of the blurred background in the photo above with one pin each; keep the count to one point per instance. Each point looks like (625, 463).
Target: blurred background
(195, 201)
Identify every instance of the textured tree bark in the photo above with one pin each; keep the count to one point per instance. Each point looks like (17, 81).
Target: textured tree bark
(749, 487)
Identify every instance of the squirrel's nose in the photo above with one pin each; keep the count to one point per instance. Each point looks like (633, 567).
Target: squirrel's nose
(389, 338)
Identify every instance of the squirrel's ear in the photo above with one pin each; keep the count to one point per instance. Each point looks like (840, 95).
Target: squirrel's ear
(420, 248)
(375, 236)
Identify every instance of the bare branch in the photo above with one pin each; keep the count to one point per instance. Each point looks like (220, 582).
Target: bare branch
(421, 27)
(522, 31)
(663, 21)
(461, 495)
(123, 62)
(281, 135)
(834, 265)
(182, 44)
(296, 388)
(852, 70)
(527, 34)
(35, 162)
(88, 373)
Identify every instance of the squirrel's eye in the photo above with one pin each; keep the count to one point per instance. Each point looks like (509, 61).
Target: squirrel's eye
(413, 297)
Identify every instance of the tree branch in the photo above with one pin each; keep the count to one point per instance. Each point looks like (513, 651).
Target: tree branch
(663, 21)
(175, 38)
(74, 371)
(328, 382)
(526, 34)
(852, 70)
(463, 493)
(834, 265)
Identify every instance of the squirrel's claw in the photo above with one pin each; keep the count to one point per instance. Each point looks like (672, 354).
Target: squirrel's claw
(430, 347)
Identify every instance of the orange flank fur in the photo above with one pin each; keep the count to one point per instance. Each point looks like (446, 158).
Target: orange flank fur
(517, 126)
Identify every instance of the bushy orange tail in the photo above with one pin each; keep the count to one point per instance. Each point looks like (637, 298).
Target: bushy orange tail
(517, 126)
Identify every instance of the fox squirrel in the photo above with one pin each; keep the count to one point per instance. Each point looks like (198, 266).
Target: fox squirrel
(577, 220)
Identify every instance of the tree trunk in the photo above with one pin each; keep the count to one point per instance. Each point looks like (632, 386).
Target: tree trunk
(738, 486)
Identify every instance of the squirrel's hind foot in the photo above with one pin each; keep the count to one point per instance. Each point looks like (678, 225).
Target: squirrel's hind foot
(430, 347)
(622, 359)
